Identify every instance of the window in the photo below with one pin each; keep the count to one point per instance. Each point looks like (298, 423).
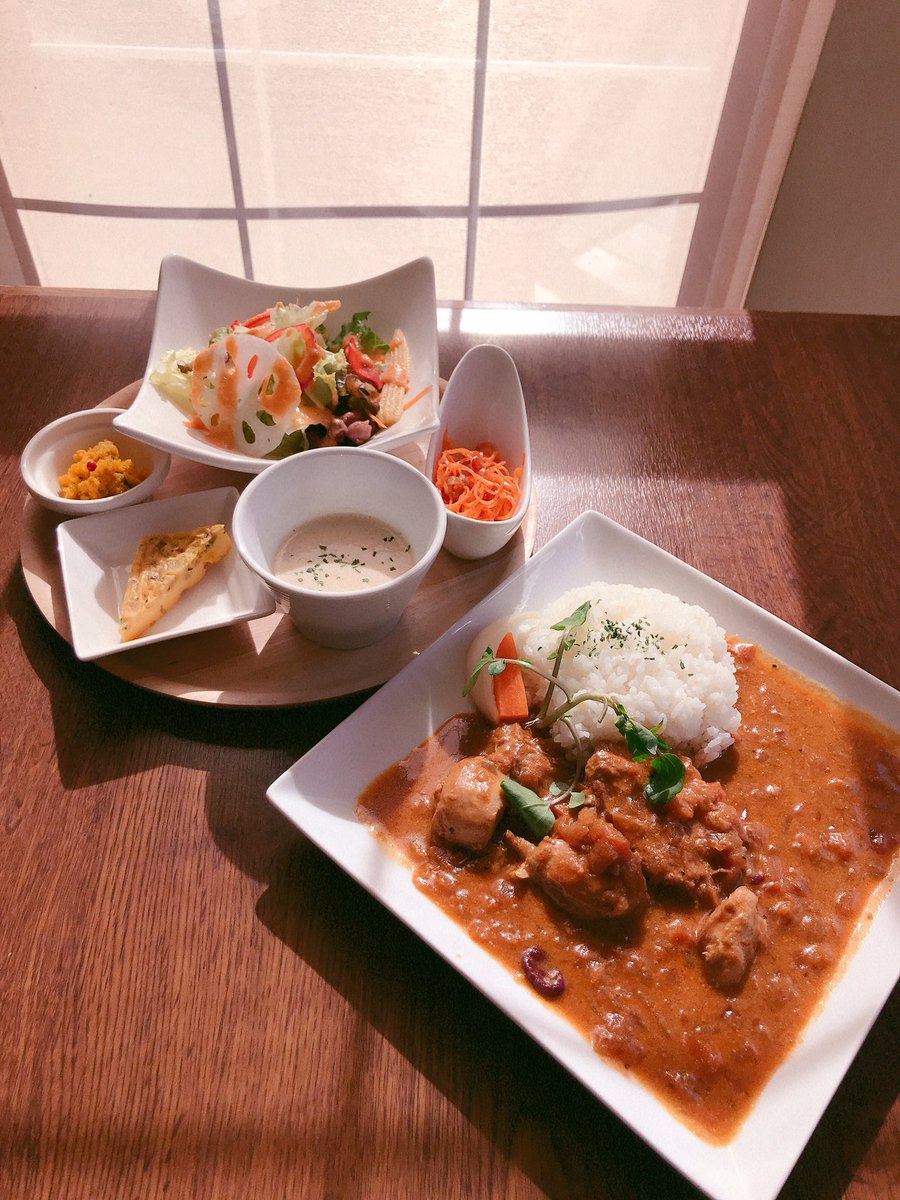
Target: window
(563, 153)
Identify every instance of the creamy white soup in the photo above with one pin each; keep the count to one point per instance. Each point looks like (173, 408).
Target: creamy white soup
(343, 552)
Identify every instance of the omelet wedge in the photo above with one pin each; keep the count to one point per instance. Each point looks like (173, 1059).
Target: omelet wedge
(165, 566)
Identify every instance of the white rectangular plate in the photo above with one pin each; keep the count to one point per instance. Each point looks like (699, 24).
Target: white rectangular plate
(96, 554)
(320, 800)
(193, 300)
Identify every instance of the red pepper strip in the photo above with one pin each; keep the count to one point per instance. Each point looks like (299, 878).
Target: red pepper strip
(252, 322)
(304, 329)
(304, 370)
(307, 364)
(360, 363)
(251, 365)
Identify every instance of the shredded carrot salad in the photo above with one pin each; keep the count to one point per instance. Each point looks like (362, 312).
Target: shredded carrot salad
(477, 483)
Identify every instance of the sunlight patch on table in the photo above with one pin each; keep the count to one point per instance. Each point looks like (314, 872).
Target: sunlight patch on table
(604, 324)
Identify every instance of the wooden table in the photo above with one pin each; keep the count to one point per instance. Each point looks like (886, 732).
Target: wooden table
(195, 1001)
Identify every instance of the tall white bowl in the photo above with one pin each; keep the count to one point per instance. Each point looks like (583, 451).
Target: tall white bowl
(319, 483)
(483, 402)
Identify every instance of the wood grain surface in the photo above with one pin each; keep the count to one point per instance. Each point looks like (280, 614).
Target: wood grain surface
(195, 1001)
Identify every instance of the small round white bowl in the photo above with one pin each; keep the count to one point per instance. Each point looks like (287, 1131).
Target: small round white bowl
(483, 402)
(319, 483)
(49, 454)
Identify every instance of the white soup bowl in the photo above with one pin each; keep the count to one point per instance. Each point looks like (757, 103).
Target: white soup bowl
(332, 481)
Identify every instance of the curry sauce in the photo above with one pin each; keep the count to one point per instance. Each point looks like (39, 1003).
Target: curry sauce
(817, 785)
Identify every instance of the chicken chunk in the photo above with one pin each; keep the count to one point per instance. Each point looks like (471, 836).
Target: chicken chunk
(611, 774)
(729, 938)
(587, 868)
(696, 844)
(469, 804)
(520, 755)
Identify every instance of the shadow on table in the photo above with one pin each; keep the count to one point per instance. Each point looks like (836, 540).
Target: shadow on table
(453, 1036)
(106, 730)
(544, 1125)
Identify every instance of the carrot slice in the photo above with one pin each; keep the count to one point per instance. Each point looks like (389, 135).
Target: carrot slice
(509, 685)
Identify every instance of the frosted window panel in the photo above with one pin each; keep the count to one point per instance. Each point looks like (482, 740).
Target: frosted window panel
(577, 133)
(324, 252)
(122, 252)
(346, 105)
(603, 258)
(681, 33)
(607, 101)
(323, 130)
(173, 23)
(441, 29)
(107, 125)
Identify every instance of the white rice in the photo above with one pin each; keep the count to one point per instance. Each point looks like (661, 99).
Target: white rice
(664, 660)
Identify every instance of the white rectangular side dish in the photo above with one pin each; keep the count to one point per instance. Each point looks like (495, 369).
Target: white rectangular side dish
(319, 797)
(192, 300)
(96, 554)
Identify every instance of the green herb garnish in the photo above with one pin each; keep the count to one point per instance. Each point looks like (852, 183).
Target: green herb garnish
(643, 743)
(666, 779)
(495, 666)
(535, 812)
(666, 769)
(573, 621)
(576, 799)
(369, 341)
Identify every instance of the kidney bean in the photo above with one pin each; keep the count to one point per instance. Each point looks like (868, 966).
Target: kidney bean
(540, 972)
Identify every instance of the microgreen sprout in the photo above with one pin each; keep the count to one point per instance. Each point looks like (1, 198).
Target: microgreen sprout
(573, 621)
(667, 772)
(666, 769)
(576, 799)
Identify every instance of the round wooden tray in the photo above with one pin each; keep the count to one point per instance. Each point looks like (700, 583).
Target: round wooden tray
(266, 662)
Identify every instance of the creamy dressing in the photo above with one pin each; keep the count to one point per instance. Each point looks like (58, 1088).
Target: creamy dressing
(343, 552)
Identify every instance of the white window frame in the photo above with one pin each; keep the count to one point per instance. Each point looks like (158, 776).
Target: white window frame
(776, 60)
